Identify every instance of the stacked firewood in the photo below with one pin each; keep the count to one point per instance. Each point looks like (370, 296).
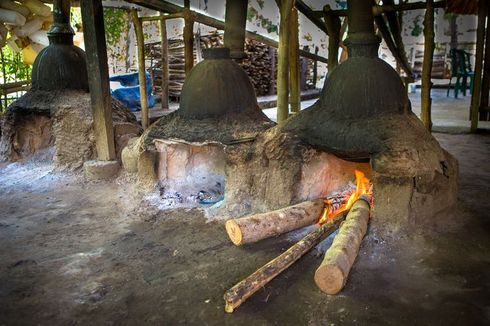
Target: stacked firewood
(176, 66)
(257, 64)
(260, 64)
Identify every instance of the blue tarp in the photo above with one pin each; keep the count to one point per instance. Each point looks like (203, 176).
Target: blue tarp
(126, 89)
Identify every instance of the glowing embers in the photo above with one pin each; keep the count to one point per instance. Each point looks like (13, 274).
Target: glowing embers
(190, 173)
(342, 202)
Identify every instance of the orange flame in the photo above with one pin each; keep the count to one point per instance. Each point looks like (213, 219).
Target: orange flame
(363, 186)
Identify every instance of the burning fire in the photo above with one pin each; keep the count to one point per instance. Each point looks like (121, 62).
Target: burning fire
(335, 206)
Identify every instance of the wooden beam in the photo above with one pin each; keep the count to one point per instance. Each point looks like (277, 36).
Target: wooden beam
(310, 14)
(294, 88)
(426, 100)
(485, 85)
(162, 17)
(378, 10)
(140, 43)
(218, 24)
(480, 40)
(164, 63)
(98, 78)
(188, 38)
(285, 7)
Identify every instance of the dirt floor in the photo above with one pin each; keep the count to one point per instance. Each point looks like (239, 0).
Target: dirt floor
(74, 252)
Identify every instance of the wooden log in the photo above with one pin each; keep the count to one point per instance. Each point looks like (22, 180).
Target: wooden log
(256, 227)
(426, 100)
(235, 296)
(332, 274)
(188, 38)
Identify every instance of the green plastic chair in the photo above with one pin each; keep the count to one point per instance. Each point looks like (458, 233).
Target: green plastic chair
(461, 69)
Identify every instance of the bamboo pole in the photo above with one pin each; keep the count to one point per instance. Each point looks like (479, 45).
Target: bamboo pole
(164, 53)
(282, 59)
(378, 10)
(188, 38)
(426, 100)
(315, 69)
(235, 296)
(140, 43)
(333, 26)
(480, 39)
(485, 85)
(294, 72)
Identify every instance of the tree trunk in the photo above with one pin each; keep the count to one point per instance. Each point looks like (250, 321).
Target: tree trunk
(332, 274)
(261, 226)
(294, 62)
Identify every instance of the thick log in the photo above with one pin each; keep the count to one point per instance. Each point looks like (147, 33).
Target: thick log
(332, 274)
(235, 296)
(256, 227)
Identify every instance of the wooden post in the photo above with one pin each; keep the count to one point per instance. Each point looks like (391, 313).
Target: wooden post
(285, 7)
(485, 85)
(426, 100)
(164, 67)
(294, 62)
(333, 26)
(315, 69)
(272, 57)
(140, 43)
(235, 23)
(188, 38)
(480, 39)
(98, 77)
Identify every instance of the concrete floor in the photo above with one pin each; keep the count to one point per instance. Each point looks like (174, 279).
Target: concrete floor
(78, 252)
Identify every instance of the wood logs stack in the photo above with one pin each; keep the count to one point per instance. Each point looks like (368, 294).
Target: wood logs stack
(259, 65)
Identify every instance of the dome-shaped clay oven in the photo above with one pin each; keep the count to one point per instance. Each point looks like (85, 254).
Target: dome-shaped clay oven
(216, 86)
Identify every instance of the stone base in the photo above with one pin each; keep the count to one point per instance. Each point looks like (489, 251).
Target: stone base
(101, 170)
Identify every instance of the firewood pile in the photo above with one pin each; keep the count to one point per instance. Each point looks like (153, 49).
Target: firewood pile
(348, 211)
(260, 64)
(440, 69)
(176, 66)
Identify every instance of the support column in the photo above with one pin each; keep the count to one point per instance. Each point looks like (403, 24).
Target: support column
(480, 40)
(188, 38)
(98, 77)
(294, 62)
(485, 85)
(285, 7)
(140, 43)
(235, 23)
(164, 67)
(426, 100)
(333, 27)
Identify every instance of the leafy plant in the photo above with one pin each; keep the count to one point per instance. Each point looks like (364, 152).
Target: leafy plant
(114, 23)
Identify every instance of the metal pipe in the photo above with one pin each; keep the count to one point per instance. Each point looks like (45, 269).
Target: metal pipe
(235, 22)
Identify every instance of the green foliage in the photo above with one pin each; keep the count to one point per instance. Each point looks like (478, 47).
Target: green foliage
(260, 20)
(115, 21)
(14, 67)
